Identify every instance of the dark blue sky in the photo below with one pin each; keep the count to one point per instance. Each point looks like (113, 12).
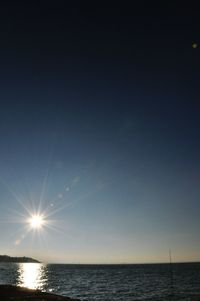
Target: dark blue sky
(99, 122)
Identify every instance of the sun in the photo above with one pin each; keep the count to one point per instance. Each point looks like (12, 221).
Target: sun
(36, 221)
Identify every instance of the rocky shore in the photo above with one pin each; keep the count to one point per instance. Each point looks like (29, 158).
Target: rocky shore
(10, 292)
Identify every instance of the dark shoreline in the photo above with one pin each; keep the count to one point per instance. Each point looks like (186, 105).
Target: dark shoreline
(24, 259)
(11, 292)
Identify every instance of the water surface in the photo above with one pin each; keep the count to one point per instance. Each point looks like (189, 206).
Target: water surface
(108, 282)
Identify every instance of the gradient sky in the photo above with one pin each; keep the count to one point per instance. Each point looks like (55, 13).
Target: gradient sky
(99, 127)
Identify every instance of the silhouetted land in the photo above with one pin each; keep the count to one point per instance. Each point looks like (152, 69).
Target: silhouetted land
(5, 258)
(10, 292)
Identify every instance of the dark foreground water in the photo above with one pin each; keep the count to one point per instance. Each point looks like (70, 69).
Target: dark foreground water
(108, 282)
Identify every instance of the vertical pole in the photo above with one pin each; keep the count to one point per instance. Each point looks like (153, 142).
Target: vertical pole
(171, 275)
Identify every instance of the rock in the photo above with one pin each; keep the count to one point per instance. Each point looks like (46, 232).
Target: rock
(11, 292)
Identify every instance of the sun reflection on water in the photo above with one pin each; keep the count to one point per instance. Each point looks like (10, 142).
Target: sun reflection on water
(32, 275)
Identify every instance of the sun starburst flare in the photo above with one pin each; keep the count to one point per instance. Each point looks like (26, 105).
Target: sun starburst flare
(37, 212)
(36, 221)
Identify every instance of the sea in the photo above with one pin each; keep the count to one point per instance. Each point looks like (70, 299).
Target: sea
(164, 282)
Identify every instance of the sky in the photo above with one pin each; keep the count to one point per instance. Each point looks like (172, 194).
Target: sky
(99, 128)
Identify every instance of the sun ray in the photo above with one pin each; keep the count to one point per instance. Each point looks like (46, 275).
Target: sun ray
(17, 197)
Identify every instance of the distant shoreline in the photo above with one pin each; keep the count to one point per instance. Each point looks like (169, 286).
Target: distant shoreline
(24, 259)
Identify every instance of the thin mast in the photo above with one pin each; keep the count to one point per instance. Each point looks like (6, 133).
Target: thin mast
(171, 275)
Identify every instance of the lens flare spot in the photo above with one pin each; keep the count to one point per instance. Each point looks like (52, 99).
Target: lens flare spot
(194, 45)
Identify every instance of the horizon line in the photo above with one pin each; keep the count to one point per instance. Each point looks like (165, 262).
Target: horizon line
(123, 263)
